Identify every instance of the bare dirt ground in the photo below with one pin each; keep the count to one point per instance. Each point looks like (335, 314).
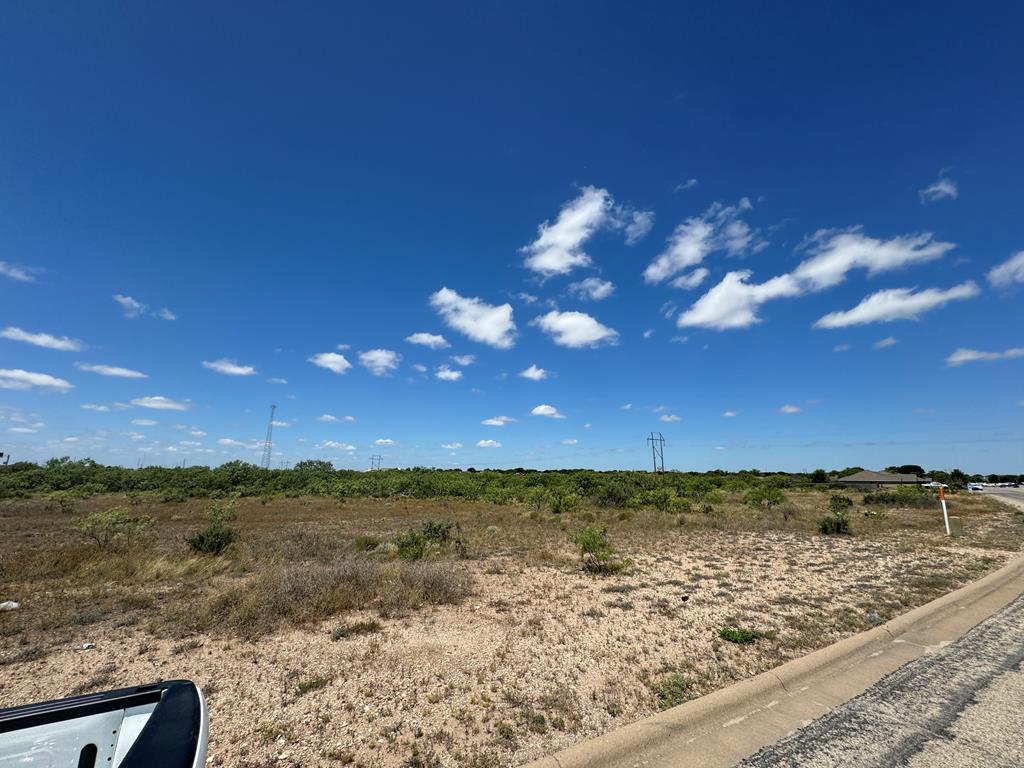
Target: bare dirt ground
(536, 655)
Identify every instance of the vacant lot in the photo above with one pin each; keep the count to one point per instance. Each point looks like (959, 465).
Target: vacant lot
(317, 643)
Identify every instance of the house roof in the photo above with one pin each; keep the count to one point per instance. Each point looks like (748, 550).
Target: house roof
(867, 476)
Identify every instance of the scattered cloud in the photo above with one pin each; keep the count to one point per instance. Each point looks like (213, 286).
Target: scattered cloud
(789, 409)
(451, 446)
(1009, 272)
(160, 403)
(17, 378)
(669, 418)
(488, 444)
(570, 441)
(961, 356)
(134, 308)
(277, 380)
(21, 274)
(380, 362)
(432, 340)
(888, 341)
(229, 367)
(45, 340)
(688, 184)
(944, 188)
(648, 333)
(730, 414)
(111, 370)
(22, 430)
(640, 223)
(464, 360)
(626, 407)
(548, 411)
(331, 418)
(144, 422)
(897, 304)
(497, 421)
(228, 441)
(95, 407)
(476, 319)
(558, 248)
(419, 367)
(734, 302)
(575, 329)
(533, 373)
(842, 347)
(719, 228)
(332, 361)
(444, 373)
(692, 279)
(592, 289)
(197, 433)
(384, 442)
(334, 445)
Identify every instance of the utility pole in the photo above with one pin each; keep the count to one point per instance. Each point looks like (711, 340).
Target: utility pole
(657, 441)
(269, 444)
(375, 461)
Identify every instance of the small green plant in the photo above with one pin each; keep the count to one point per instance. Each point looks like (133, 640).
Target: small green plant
(356, 628)
(114, 528)
(596, 553)
(414, 545)
(366, 543)
(561, 502)
(671, 691)
(739, 635)
(311, 684)
(64, 501)
(837, 522)
(218, 534)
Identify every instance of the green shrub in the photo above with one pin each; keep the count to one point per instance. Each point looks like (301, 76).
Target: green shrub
(560, 502)
(596, 553)
(764, 496)
(64, 501)
(218, 534)
(662, 499)
(366, 543)
(411, 545)
(173, 494)
(612, 494)
(671, 691)
(909, 497)
(114, 528)
(739, 635)
(443, 534)
(834, 525)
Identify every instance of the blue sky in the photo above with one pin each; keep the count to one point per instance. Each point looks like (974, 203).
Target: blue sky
(783, 240)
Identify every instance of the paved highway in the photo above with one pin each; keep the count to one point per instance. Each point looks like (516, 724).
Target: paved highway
(961, 706)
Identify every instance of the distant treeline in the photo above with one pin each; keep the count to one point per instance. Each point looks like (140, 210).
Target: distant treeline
(320, 478)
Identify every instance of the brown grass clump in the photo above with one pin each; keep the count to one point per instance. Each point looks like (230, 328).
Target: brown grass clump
(296, 595)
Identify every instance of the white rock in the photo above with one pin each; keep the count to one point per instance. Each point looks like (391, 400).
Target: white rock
(9, 605)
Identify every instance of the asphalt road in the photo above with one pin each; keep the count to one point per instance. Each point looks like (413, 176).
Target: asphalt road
(959, 706)
(1014, 496)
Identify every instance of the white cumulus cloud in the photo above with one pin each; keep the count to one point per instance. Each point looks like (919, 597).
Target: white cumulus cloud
(229, 441)
(592, 288)
(888, 341)
(17, 378)
(570, 441)
(334, 445)
(575, 329)
(961, 356)
(488, 444)
(95, 407)
(45, 340)
(730, 414)
(734, 302)
(789, 409)
(451, 446)
(669, 418)
(380, 362)
(144, 422)
(160, 403)
(384, 442)
(691, 280)
(558, 248)
(497, 421)
(432, 340)
(1009, 272)
(547, 410)
(111, 370)
(897, 304)
(332, 361)
(486, 323)
(444, 373)
(533, 373)
(229, 367)
(464, 360)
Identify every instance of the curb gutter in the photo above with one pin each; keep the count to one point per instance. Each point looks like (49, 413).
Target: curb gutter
(727, 725)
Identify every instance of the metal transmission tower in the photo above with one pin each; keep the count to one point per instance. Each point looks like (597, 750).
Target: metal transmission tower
(657, 441)
(375, 462)
(269, 444)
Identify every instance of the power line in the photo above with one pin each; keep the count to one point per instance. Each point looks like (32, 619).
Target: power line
(269, 444)
(657, 441)
(375, 461)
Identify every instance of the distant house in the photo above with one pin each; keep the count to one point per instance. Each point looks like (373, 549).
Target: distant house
(866, 480)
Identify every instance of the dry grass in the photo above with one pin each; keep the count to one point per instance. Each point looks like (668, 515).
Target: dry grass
(353, 656)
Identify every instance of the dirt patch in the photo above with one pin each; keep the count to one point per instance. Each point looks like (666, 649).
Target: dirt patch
(523, 652)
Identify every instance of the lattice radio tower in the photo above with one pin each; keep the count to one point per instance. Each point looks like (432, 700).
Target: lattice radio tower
(657, 441)
(268, 446)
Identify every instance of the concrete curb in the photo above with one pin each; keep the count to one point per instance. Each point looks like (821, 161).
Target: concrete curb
(704, 732)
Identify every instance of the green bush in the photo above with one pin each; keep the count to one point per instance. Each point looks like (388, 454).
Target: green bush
(662, 499)
(764, 496)
(839, 505)
(114, 528)
(218, 534)
(560, 502)
(443, 534)
(596, 553)
(909, 497)
(613, 494)
(672, 690)
(366, 543)
(739, 635)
